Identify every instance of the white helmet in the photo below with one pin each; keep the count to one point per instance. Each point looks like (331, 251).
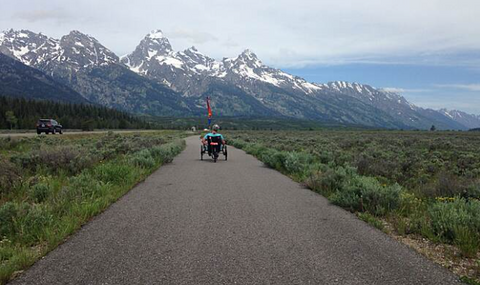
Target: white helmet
(216, 127)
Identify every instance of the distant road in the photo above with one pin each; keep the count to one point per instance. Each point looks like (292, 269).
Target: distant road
(230, 222)
(66, 132)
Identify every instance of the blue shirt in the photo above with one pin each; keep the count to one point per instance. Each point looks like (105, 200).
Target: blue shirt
(213, 135)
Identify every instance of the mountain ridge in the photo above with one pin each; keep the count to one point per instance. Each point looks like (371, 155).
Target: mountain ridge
(180, 80)
(85, 65)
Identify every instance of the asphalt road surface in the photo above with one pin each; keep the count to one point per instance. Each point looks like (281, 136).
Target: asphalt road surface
(230, 222)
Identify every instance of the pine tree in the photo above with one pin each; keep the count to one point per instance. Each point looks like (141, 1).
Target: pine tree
(11, 119)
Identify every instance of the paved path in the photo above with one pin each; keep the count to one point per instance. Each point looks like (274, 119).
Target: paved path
(233, 222)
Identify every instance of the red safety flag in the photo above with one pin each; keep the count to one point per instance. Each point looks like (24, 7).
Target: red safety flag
(208, 107)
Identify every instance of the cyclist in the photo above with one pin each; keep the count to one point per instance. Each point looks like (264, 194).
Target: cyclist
(214, 133)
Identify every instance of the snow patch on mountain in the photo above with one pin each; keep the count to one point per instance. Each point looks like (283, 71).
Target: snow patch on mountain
(156, 34)
(75, 50)
(469, 120)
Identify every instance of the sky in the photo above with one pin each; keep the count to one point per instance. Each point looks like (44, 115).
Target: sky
(426, 50)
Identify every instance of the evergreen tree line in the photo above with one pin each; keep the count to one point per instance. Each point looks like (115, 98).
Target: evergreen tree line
(21, 113)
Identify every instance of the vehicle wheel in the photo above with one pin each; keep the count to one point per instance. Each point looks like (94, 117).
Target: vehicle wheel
(47, 132)
(39, 132)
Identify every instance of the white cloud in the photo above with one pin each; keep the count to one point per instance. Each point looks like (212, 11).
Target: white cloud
(34, 16)
(469, 87)
(405, 90)
(193, 36)
(283, 33)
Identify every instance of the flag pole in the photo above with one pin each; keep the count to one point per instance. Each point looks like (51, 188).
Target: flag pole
(209, 109)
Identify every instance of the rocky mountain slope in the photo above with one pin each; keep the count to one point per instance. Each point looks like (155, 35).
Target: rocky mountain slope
(82, 63)
(194, 74)
(155, 79)
(468, 120)
(19, 80)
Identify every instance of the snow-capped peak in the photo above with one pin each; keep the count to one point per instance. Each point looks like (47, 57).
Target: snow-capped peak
(249, 53)
(249, 56)
(79, 36)
(154, 44)
(192, 49)
(81, 50)
(245, 61)
(77, 33)
(156, 34)
(28, 47)
(75, 50)
(468, 120)
(2, 37)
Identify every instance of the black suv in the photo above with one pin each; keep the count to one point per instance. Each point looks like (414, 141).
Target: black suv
(48, 126)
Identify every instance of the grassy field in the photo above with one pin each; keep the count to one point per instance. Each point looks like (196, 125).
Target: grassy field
(51, 185)
(424, 185)
(238, 123)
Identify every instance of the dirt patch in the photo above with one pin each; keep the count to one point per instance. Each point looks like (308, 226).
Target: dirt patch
(446, 255)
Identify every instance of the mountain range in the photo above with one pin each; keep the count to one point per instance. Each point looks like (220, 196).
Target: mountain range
(154, 79)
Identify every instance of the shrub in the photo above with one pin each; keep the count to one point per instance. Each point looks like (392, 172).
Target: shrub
(410, 204)
(271, 158)
(326, 157)
(330, 180)
(238, 144)
(31, 222)
(382, 200)
(9, 176)
(473, 191)
(40, 192)
(447, 216)
(66, 196)
(165, 153)
(67, 158)
(367, 194)
(59, 156)
(255, 149)
(9, 143)
(376, 166)
(143, 159)
(86, 186)
(467, 240)
(446, 185)
(8, 213)
(401, 225)
(297, 162)
(112, 172)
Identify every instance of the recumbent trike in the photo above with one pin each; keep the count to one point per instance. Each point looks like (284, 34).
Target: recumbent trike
(213, 148)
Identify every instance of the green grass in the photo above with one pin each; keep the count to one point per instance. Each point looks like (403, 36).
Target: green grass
(44, 198)
(372, 220)
(247, 123)
(469, 281)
